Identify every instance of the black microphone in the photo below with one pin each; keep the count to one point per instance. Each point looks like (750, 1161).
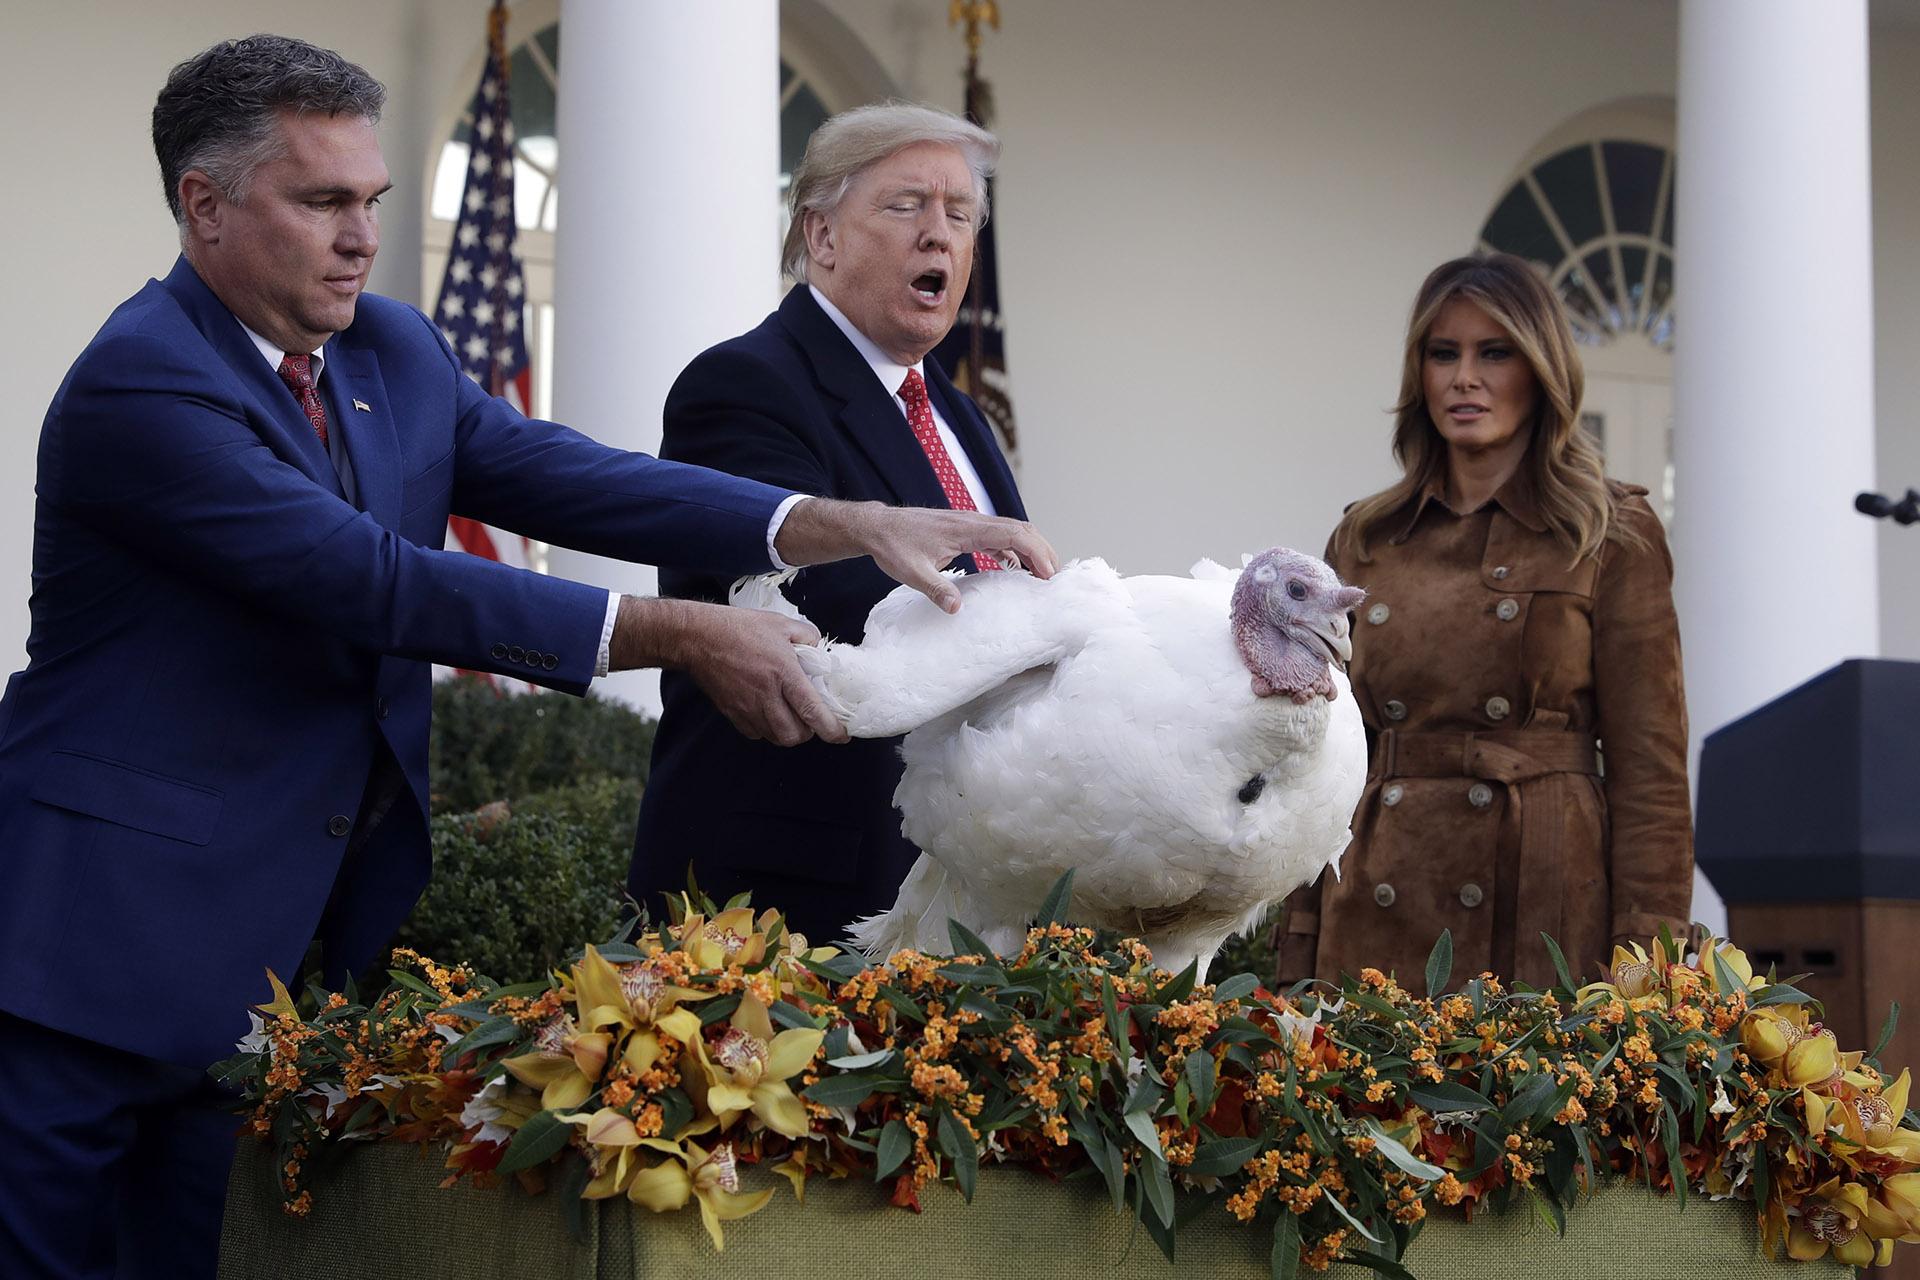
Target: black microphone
(1905, 511)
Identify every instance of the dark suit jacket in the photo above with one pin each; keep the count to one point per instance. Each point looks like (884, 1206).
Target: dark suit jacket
(811, 830)
(222, 647)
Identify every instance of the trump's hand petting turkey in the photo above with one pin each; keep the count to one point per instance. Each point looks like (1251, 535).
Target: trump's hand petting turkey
(886, 704)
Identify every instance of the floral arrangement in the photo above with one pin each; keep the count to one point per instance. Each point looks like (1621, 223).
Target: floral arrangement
(658, 1068)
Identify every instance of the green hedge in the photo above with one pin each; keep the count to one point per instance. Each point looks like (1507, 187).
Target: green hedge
(535, 799)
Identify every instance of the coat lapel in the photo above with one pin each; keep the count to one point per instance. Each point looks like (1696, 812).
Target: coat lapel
(353, 380)
(868, 412)
(282, 423)
(976, 437)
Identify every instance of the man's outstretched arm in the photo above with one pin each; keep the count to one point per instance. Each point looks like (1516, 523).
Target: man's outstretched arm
(912, 545)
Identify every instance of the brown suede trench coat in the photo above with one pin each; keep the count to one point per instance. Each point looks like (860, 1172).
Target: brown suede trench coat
(1490, 675)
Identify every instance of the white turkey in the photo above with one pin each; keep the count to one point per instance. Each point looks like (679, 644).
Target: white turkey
(1186, 746)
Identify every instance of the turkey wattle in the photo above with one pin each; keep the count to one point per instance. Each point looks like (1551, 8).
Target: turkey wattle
(1186, 746)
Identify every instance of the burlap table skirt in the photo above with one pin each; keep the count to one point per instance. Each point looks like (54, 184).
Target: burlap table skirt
(380, 1215)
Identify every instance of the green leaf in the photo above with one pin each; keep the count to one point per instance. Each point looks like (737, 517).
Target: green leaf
(1401, 1158)
(1286, 1246)
(578, 1174)
(485, 1036)
(1180, 986)
(1223, 1156)
(1385, 1266)
(1182, 1099)
(712, 1011)
(1670, 1137)
(966, 942)
(1200, 1078)
(1559, 959)
(1369, 1001)
(411, 983)
(1343, 1211)
(1724, 975)
(903, 1004)
(792, 1016)
(1140, 1125)
(1159, 1188)
(848, 1090)
(1238, 987)
(1886, 1030)
(1112, 1165)
(955, 1141)
(837, 969)
(676, 1112)
(541, 1138)
(974, 974)
(1781, 993)
(860, 1061)
(1445, 1095)
(1550, 1208)
(1059, 901)
(1111, 1007)
(1440, 964)
(896, 1144)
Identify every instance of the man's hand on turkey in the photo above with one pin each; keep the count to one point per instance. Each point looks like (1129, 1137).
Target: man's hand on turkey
(911, 545)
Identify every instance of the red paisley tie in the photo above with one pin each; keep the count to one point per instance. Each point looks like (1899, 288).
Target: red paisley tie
(297, 373)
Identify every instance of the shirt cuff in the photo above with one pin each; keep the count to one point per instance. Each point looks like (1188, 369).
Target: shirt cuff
(605, 659)
(780, 512)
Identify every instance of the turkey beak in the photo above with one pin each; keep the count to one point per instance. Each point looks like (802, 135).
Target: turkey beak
(1341, 641)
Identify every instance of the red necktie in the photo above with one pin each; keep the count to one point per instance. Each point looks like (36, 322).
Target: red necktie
(920, 418)
(297, 373)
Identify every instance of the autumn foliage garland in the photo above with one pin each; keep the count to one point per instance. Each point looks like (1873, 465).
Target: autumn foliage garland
(656, 1069)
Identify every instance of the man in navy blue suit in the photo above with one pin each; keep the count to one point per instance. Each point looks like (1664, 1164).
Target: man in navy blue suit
(218, 748)
(831, 394)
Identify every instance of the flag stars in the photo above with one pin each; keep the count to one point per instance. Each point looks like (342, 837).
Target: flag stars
(469, 235)
(452, 306)
(483, 313)
(489, 277)
(460, 270)
(476, 348)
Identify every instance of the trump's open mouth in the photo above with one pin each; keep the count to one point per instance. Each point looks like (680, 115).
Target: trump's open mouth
(931, 285)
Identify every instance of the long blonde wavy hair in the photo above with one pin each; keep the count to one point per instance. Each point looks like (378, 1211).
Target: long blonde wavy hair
(1569, 482)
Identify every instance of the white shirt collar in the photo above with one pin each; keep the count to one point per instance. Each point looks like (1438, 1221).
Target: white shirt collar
(274, 355)
(890, 371)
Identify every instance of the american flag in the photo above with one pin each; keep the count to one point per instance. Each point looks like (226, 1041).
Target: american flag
(482, 293)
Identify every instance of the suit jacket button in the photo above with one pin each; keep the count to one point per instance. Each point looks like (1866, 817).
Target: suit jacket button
(1507, 610)
(498, 653)
(339, 824)
(550, 662)
(1498, 707)
(1379, 614)
(1395, 709)
(1471, 895)
(1391, 796)
(515, 653)
(1384, 894)
(381, 706)
(1500, 573)
(1479, 795)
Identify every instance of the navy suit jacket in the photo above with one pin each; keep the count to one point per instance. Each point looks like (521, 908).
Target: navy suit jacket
(222, 647)
(811, 830)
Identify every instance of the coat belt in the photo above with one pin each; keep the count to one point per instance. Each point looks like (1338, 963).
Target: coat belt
(1529, 878)
(1501, 755)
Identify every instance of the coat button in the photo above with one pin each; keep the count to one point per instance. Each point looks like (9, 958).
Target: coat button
(1500, 573)
(1384, 894)
(1395, 709)
(1479, 795)
(380, 707)
(1498, 707)
(339, 824)
(533, 657)
(1391, 796)
(550, 662)
(1471, 896)
(1507, 610)
(498, 653)
(515, 653)
(1379, 614)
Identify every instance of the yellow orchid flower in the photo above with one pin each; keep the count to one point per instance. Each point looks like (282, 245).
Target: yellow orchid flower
(1736, 962)
(728, 939)
(1834, 1217)
(1631, 974)
(1813, 1062)
(1901, 1195)
(613, 1143)
(626, 996)
(564, 1065)
(1767, 1036)
(1871, 1118)
(747, 1070)
(711, 1178)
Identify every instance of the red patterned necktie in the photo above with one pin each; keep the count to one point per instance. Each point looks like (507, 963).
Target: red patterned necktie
(920, 418)
(297, 373)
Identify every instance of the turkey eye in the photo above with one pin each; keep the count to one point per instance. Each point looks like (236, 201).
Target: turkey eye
(1296, 589)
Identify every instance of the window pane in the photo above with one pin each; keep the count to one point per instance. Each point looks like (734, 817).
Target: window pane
(1580, 306)
(533, 99)
(529, 190)
(1571, 188)
(1633, 179)
(449, 182)
(1517, 227)
(801, 117)
(1662, 296)
(1633, 261)
(1599, 266)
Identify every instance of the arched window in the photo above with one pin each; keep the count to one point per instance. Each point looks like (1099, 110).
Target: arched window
(1598, 219)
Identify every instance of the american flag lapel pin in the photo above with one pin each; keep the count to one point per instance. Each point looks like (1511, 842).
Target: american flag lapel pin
(363, 406)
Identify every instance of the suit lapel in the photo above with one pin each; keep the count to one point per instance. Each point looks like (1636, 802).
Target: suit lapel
(868, 412)
(358, 405)
(281, 421)
(976, 437)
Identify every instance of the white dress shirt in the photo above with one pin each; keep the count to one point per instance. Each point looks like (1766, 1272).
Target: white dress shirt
(891, 375)
(343, 466)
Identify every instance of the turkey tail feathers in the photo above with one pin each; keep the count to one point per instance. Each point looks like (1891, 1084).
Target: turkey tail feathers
(917, 919)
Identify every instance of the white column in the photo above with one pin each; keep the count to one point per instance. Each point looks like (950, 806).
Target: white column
(668, 220)
(1777, 577)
